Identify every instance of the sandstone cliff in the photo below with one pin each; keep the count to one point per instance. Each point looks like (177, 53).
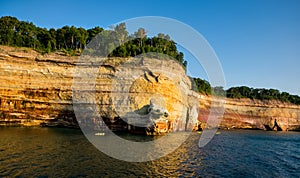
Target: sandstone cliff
(254, 114)
(35, 88)
(38, 90)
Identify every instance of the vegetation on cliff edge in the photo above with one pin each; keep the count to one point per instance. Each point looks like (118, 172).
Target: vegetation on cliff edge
(204, 87)
(72, 40)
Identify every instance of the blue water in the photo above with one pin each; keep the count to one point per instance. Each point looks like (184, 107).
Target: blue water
(54, 152)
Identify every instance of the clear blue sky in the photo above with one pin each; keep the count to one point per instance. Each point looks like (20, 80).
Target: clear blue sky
(257, 41)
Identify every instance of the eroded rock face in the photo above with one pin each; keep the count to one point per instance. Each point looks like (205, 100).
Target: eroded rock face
(35, 89)
(128, 88)
(38, 90)
(254, 114)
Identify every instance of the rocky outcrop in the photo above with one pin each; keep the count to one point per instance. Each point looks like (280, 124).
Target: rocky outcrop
(37, 90)
(136, 93)
(254, 114)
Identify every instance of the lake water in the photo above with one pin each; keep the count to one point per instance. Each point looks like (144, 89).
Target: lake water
(57, 152)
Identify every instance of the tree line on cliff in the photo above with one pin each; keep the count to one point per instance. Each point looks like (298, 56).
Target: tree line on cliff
(204, 87)
(72, 40)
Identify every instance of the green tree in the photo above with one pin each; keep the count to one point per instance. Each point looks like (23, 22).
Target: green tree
(121, 33)
(48, 47)
(52, 32)
(202, 86)
(7, 30)
(93, 32)
(218, 91)
(70, 39)
(284, 96)
(60, 38)
(140, 35)
(82, 35)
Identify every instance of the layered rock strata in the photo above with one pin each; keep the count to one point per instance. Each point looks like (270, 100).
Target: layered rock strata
(254, 114)
(39, 90)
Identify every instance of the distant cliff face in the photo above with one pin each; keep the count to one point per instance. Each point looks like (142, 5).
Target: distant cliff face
(38, 90)
(254, 114)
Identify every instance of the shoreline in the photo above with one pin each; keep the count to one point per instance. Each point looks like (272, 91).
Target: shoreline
(78, 128)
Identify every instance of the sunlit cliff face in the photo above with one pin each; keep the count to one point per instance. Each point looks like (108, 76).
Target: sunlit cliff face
(38, 90)
(163, 97)
(157, 111)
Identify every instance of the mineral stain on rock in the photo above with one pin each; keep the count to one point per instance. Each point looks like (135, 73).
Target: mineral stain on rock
(151, 97)
(37, 90)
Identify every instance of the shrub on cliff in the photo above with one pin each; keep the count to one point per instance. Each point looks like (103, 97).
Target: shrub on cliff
(261, 94)
(72, 40)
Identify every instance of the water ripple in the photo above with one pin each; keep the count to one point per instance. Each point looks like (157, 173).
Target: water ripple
(44, 152)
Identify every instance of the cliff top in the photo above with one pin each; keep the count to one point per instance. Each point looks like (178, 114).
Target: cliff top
(23, 53)
(30, 54)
